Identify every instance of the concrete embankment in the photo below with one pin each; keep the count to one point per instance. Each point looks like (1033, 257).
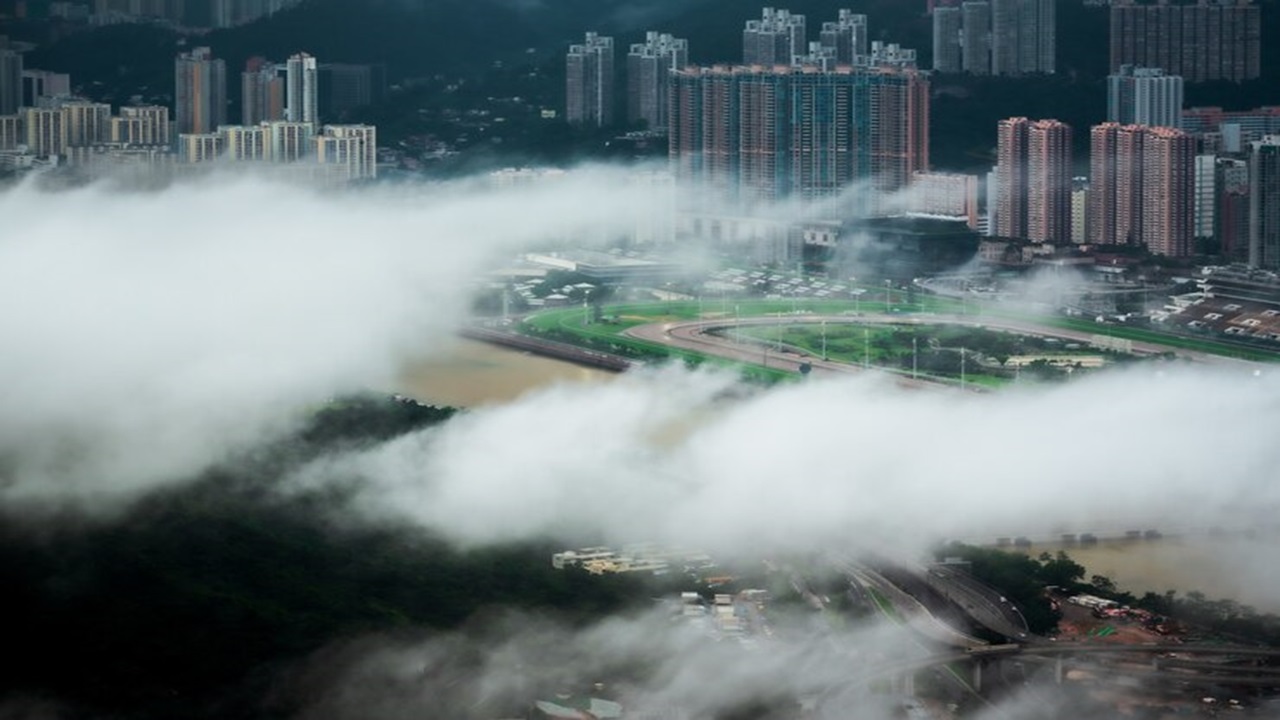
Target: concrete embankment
(549, 348)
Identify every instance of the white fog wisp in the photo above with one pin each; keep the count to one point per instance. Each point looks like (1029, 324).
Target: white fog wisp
(147, 334)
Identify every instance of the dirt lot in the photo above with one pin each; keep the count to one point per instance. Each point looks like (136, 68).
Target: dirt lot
(1079, 625)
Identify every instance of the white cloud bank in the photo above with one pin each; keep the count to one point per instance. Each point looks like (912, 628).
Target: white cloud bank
(145, 334)
(850, 463)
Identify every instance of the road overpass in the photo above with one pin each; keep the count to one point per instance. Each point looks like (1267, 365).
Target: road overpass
(1161, 668)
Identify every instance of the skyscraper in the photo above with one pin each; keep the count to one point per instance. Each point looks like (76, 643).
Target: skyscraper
(976, 38)
(1033, 180)
(262, 92)
(775, 39)
(846, 37)
(1142, 191)
(10, 81)
(302, 94)
(1264, 203)
(1023, 37)
(1011, 177)
(1168, 198)
(201, 94)
(1206, 196)
(1102, 184)
(1049, 181)
(1198, 41)
(947, 52)
(1144, 96)
(1231, 216)
(649, 67)
(756, 133)
(589, 82)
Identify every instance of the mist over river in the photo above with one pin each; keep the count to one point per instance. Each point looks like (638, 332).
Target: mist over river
(474, 374)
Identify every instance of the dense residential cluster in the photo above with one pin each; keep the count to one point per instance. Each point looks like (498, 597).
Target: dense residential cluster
(42, 124)
(845, 121)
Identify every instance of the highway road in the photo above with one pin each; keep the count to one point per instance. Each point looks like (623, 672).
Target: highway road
(983, 604)
(912, 612)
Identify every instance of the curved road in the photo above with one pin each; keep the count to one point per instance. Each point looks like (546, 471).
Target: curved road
(696, 335)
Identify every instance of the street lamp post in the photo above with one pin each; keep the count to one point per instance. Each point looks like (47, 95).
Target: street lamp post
(888, 296)
(824, 339)
(914, 359)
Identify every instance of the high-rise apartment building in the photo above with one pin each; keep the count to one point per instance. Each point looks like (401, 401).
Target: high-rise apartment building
(1023, 37)
(757, 133)
(10, 81)
(350, 149)
(11, 134)
(1231, 216)
(302, 92)
(200, 98)
(41, 84)
(1206, 195)
(243, 143)
(1168, 185)
(86, 123)
(975, 42)
(286, 141)
(1049, 181)
(1251, 124)
(140, 125)
(153, 126)
(199, 147)
(1033, 180)
(846, 37)
(775, 39)
(1142, 189)
(262, 92)
(46, 133)
(1079, 210)
(649, 68)
(948, 23)
(1264, 203)
(1194, 39)
(1011, 178)
(1144, 96)
(948, 195)
(589, 82)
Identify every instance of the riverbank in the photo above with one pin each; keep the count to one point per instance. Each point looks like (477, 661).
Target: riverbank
(471, 373)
